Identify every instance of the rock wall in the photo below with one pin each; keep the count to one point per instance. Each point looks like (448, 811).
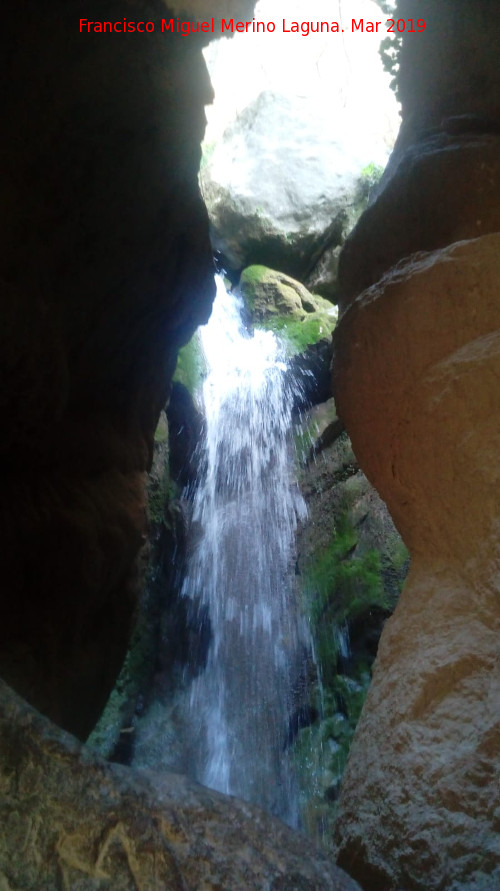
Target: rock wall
(351, 565)
(88, 825)
(416, 379)
(106, 269)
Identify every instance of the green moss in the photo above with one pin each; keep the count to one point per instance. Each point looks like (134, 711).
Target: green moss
(250, 277)
(398, 554)
(253, 275)
(298, 335)
(344, 582)
(191, 365)
(279, 303)
(372, 173)
(207, 150)
(161, 432)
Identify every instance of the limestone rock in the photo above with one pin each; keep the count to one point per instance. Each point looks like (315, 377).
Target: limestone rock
(269, 293)
(186, 427)
(451, 71)
(417, 364)
(70, 819)
(275, 300)
(265, 204)
(443, 189)
(282, 173)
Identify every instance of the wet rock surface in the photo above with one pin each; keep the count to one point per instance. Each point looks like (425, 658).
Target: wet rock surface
(351, 565)
(85, 824)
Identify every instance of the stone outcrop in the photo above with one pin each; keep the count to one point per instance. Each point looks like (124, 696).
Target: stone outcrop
(283, 177)
(277, 301)
(267, 210)
(76, 821)
(418, 801)
(443, 189)
(417, 363)
(268, 293)
(107, 270)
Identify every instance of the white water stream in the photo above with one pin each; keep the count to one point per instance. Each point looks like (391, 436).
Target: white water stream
(241, 568)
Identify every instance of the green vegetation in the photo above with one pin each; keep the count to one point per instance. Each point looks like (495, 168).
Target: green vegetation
(191, 365)
(207, 150)
(298, 335)
(344, 588)
(250, 277)
(370, 177)
(280, 304)
(161, 432)
(340, 588)
(372, 173)
(254, 274)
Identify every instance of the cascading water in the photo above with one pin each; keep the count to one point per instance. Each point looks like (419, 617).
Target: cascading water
(241, 568)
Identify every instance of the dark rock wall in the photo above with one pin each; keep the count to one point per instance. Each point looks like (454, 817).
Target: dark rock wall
(106, 270)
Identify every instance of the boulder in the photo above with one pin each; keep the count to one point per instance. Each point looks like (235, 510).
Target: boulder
(85, 824)
(276, 301)
(283, 180)
(267, 205)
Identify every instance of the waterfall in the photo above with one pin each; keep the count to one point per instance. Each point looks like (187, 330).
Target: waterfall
(241, 569)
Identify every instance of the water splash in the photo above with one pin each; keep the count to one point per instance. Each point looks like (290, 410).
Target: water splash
(246, 509)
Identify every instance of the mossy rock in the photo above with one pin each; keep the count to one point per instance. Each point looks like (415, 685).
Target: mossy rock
(191, 368)
(278, 302)
(161, 432)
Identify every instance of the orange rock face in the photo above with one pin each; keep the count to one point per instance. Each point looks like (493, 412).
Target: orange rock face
(417, 378)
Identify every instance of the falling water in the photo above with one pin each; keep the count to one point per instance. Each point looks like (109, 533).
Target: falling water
(246, 508)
